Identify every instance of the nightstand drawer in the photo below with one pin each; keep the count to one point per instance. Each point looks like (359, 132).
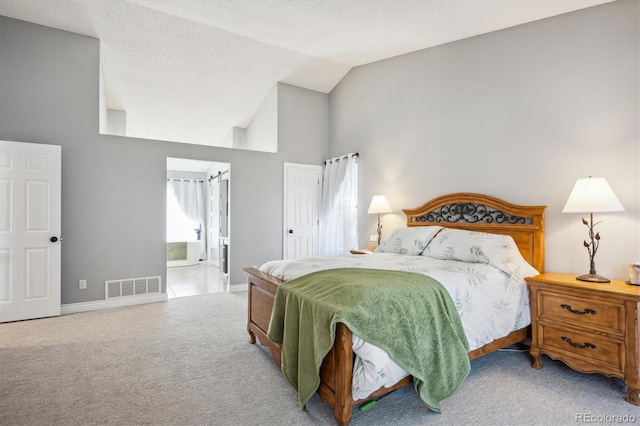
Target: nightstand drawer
(589, 346)
(591, 327)
(606, 316)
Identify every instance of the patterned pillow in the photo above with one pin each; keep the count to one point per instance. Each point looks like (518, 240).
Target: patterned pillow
(499, 251)
(411, 241)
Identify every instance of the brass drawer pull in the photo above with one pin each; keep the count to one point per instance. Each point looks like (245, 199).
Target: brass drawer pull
(578, 345)
(586, 311)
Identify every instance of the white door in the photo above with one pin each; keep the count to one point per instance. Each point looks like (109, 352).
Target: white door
(30, 226)
(214, 221)
(301, 210)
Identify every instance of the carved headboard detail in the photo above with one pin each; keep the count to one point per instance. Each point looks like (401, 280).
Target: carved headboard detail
(484, 213)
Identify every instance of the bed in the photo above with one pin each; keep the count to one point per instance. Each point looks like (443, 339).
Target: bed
(458, 211)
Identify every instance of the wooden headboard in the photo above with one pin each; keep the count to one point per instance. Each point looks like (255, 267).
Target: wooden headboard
(483, 213)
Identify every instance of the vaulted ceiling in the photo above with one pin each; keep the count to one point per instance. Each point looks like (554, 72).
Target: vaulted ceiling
(189, 71)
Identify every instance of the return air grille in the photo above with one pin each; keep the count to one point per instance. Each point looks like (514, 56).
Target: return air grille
(131, 287)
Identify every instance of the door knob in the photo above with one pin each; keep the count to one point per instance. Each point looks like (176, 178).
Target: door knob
(53, 239)
(291, 231)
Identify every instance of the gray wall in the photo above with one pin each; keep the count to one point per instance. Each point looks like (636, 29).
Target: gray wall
(519, 114)
(262, 133)
(114, 188)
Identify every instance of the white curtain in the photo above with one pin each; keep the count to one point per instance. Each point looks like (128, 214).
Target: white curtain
(339, 206)
(189, 194)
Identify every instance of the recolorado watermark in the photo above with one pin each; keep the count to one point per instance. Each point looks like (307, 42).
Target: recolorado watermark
(605, 418)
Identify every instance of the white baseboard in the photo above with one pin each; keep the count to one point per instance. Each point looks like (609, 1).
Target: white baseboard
(72, 308)
(237, 288)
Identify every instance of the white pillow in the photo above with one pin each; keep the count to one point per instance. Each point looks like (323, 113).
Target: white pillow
(411, 241)
(499, 251)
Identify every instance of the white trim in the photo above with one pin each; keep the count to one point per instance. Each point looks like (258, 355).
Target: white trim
(237, 288)
(72, 308)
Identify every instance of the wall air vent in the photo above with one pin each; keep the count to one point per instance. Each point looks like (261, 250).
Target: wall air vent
(131, 287)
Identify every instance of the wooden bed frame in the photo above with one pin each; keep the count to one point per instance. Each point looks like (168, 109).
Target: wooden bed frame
(469, 211)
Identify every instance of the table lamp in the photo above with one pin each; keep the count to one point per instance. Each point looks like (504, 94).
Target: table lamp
(592, 195)
(379, 204)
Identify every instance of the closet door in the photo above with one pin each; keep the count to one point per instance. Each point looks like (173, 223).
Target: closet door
(301, 210)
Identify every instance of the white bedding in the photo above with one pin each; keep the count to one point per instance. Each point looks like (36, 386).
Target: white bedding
(491, 303)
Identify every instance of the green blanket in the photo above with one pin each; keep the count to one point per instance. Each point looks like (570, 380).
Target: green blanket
(409, 315)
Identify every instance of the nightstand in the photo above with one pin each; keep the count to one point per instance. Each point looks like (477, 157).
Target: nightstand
(591, 327)
(361, 251)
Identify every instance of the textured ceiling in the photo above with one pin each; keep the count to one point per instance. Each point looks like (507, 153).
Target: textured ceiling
(189, 71)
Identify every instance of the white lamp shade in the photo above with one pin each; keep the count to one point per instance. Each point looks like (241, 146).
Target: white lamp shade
(592, 195)
(379, 204)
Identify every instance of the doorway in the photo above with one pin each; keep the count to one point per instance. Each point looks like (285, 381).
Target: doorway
(197, 227)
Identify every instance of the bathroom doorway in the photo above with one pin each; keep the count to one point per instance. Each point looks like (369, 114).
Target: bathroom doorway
(197, 227)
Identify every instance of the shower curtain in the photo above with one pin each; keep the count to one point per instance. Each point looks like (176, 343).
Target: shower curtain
(189, 194)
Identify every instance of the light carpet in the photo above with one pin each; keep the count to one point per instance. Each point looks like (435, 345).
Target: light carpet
(188, 361)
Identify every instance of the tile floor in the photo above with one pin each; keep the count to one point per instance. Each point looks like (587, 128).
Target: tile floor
(202, 278)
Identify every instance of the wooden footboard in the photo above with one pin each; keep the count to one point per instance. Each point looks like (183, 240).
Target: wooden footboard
(262, 291)
(336, 374)
(336, 371)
